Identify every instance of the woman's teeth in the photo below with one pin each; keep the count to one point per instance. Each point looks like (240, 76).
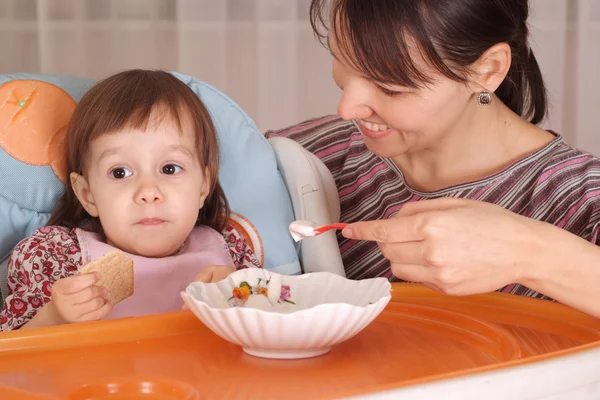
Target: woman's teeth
(373, 127)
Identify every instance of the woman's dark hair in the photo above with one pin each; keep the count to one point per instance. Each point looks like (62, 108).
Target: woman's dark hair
(375, 36)
(130, 99)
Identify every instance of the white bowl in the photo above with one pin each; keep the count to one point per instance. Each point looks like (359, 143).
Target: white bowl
(314, 312)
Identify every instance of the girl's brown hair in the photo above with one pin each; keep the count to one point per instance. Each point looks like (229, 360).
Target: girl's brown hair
(128, 100)
(375, 36)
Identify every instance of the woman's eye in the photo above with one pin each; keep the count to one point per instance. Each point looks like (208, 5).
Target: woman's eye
(171, 169)
(120, 173)
(388, 92)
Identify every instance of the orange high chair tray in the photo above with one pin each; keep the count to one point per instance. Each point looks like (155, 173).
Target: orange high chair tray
(420, 337)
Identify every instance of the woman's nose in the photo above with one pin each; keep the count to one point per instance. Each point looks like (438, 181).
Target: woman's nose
(354, 104)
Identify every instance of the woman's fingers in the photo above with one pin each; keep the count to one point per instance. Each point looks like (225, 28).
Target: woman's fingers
(404, 253)
(412, 273)
(414, 222)
(394, 230)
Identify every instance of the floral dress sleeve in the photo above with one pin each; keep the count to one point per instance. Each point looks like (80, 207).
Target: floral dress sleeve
(241, 252)
(51, 253)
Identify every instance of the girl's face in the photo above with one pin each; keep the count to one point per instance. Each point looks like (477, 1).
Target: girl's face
(397, 120)
(146, 187)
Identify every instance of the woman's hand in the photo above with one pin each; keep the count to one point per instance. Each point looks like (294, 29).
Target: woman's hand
(462, 247)
(457, 246)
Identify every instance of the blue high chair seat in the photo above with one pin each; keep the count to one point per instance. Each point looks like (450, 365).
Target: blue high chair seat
(34, 114)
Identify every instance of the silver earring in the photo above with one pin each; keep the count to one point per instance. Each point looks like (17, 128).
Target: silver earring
(484, 98)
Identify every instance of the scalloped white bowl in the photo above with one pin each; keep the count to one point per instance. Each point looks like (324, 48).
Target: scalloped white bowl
(327, 309)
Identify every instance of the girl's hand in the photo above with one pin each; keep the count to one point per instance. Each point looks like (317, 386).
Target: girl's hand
(78, 299)
(458, 246)
(214, 273)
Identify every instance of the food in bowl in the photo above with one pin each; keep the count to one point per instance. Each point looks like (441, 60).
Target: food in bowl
(280, 316)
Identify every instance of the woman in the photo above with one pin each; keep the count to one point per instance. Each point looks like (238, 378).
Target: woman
(438, 153)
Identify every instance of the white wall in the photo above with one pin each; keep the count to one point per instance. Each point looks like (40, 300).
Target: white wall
(263, 54)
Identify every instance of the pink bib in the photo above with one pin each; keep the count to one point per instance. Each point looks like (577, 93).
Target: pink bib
(158, 281)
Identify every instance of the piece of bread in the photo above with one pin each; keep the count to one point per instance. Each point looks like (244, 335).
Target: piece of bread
(116, 274)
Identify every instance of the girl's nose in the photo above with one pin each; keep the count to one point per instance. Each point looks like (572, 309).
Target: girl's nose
(148, 193)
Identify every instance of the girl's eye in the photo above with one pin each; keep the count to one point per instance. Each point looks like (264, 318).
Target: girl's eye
(120, 173)
(171, 169)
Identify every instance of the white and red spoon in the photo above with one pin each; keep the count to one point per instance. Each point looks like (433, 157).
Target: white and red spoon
(302, 229)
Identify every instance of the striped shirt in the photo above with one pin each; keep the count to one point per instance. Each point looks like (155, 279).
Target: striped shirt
(557, 184)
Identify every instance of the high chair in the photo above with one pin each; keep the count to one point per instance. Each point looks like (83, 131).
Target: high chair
(268, 184)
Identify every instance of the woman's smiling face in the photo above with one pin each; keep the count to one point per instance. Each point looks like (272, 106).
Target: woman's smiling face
(396, 120)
